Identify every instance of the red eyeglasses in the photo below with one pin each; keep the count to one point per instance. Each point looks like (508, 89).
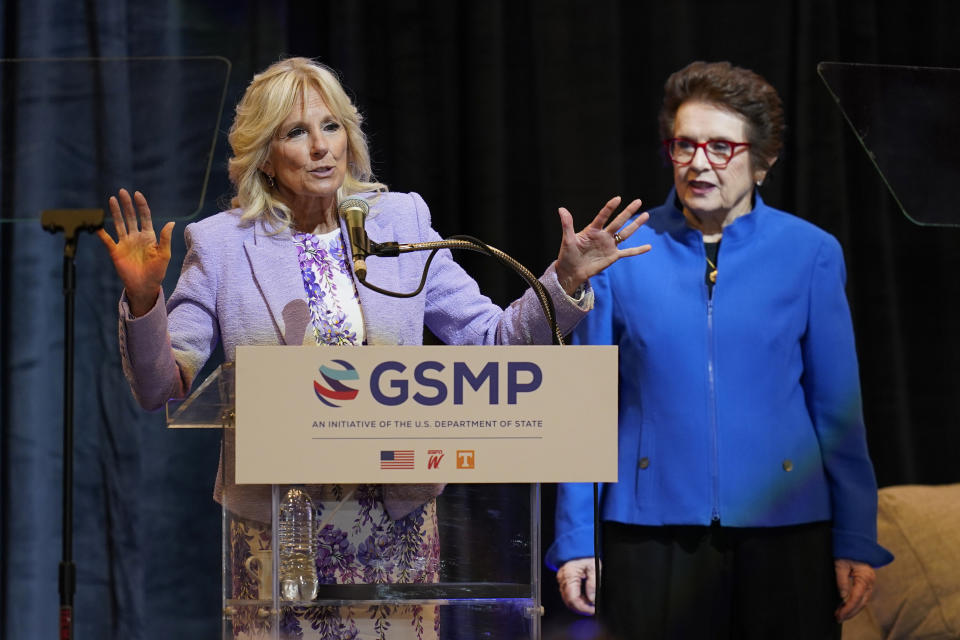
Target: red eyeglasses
(718, 152)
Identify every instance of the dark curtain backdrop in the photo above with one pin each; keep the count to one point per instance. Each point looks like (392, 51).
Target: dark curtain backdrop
(497, 112)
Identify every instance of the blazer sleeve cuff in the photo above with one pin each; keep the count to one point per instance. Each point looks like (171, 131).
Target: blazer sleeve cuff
(570, 311)
(126, 316)
(855, 546)
(148, 362)
(577, 543)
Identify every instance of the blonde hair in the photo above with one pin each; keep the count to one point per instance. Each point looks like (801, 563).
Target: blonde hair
(267, 102)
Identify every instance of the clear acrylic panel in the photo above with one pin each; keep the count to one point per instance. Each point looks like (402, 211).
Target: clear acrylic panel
(904, 118)
(211, 404)
(140, 123)
(464, 564)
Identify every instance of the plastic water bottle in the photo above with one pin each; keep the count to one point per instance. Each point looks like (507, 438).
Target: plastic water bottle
(297, 538)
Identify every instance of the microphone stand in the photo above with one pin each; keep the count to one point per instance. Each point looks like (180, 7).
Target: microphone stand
(70, 221)
(597, 541)
(393, 249)
(363, 247)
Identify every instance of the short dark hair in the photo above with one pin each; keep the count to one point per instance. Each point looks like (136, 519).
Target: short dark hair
(735, 89)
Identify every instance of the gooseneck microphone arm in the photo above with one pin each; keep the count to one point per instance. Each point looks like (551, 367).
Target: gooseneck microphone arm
(354, 211)
(390, 249)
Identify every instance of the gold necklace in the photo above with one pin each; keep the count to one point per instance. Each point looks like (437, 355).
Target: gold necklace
(713, 274)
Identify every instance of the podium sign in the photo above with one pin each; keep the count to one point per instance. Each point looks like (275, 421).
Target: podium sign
(430, 414)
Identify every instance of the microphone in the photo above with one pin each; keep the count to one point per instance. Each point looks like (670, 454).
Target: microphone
(354, 212)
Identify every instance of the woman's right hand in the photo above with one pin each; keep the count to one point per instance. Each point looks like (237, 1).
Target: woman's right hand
(139, 258)
(578, 585)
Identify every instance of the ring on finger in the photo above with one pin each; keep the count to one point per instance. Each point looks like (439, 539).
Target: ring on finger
(617, 238)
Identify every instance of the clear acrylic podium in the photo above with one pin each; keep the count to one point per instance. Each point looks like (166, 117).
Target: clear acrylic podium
(465, 565)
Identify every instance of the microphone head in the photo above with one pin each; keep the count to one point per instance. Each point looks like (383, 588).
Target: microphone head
(354, 206)
(354, 213)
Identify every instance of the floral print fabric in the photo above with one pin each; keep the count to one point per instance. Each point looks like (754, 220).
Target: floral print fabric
(357, 543)
(331, 292)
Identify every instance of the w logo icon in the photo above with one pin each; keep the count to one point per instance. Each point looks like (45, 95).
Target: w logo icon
(434, 456)
(336, 389)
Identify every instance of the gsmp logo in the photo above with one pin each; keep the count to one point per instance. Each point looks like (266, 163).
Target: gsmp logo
(335, 389)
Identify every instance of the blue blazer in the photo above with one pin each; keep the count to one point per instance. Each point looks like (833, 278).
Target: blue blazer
(743, 409)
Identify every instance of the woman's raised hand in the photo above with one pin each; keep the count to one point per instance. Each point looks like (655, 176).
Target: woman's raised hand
(595, 248)
(138, 256)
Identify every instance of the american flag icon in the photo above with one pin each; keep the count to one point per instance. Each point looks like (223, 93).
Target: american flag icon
(401, 459)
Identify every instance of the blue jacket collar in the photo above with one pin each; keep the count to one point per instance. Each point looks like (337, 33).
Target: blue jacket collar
(671, 220)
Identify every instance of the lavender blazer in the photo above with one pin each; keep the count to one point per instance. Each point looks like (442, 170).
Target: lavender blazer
(241, 285)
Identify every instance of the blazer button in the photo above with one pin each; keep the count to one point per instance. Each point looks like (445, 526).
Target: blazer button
(787, 465)
(644, 462)
(400, 341)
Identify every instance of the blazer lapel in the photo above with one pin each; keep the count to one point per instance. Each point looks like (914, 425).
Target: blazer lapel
(276, 271)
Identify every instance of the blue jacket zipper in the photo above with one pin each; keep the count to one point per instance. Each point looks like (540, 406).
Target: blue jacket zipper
(712, 382)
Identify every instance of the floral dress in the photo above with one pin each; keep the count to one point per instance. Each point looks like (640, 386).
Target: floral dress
(357, 542)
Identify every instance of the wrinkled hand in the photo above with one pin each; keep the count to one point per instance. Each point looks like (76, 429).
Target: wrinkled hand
(594, 249)
(578, 585)
(855, 583)
(139, 258)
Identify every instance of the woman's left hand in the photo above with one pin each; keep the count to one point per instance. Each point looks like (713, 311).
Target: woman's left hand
(855, 582)
(595, 248)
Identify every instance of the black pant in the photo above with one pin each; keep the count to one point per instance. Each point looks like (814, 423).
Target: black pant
(724, 583)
